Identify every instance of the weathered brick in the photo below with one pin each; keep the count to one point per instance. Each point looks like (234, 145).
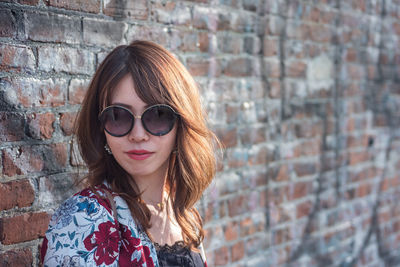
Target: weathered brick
(40, 125)
(130, 10)
(205, 18)
(301, 189)
(237, 251)
(231, 231)
(261, 155)
(67, 122)
(7, 24)
(237, 158)
(24, 2)
(227, 135)
(103, 32)
(77, 90)
(253, 135)
(92, 6)
(297, 69)
(221, 256)
(151, 33)
(272, 68)
(48, 27)
(31, 92)
(12, 126)
(171, 12)
(237, 205)
(53, 189)
(17, 257)
(238, 67)
(29, 159)
(65, 59)
(198, 66)
(229, 44)
(18, 193)
(17, 57)
(26, 227)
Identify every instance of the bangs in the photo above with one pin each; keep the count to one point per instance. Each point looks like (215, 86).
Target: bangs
(147, 81)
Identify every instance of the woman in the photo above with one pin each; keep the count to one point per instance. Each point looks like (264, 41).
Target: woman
(149, 153)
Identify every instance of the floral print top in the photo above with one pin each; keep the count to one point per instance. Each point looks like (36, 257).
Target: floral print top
(83, 232)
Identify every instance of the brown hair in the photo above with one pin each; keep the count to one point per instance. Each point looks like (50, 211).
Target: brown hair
(159, 78)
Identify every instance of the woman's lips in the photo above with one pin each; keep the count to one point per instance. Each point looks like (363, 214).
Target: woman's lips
(139, 154)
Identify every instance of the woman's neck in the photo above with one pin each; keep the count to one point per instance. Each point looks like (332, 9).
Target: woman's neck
(152, 188)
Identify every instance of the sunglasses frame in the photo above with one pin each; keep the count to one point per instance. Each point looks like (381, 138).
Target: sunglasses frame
(176, 116)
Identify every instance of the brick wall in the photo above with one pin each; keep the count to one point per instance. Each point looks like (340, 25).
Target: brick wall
(304, 94)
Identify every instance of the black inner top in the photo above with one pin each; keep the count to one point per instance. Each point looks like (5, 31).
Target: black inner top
(178, 255)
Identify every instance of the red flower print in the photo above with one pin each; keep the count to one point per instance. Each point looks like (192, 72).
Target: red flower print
(105, 241)
(131, 245)
(43, 249)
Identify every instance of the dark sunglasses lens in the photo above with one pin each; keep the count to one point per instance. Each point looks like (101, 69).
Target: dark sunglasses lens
(159, 120)
(117, 121)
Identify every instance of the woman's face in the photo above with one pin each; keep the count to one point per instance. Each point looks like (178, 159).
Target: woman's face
(140, 153)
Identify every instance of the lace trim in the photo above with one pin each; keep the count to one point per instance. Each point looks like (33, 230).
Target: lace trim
(166, 248)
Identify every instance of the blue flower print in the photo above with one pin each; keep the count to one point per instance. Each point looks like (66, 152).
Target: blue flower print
(64, 214)
(88, 206)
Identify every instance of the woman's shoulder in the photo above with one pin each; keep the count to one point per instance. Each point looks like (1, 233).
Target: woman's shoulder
(89, 204)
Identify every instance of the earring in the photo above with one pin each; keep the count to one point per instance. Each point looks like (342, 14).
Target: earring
(107, 148)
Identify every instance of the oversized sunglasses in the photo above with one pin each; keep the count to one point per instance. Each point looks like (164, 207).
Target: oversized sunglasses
(157, 120)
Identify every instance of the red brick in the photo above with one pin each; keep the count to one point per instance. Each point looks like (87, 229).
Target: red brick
(281, 236)
(16, 194)
(26, 227)
(247, 227)
(17, 258)
(261, 155)
(270, 47)
(237, 251)
(358, 157)
(253, 135)
(67, 122)
(41, 125)
(198, 66)
(303, 169)
(364, 190)
(301, 189)
(303, 209)
(221, 256)
(238, 67)
(16, 57)
(130, 10)
(231, 231)
(227, 136)
(7, 24)
(92, 6)
(272, 68)
(279, 173)
(296, 69)
(320, 33)
(204, 41)
(237, 205)
(232, 113)
(49, 27)
(12, 126)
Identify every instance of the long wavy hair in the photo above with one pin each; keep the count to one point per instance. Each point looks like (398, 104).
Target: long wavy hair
(159, 78)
